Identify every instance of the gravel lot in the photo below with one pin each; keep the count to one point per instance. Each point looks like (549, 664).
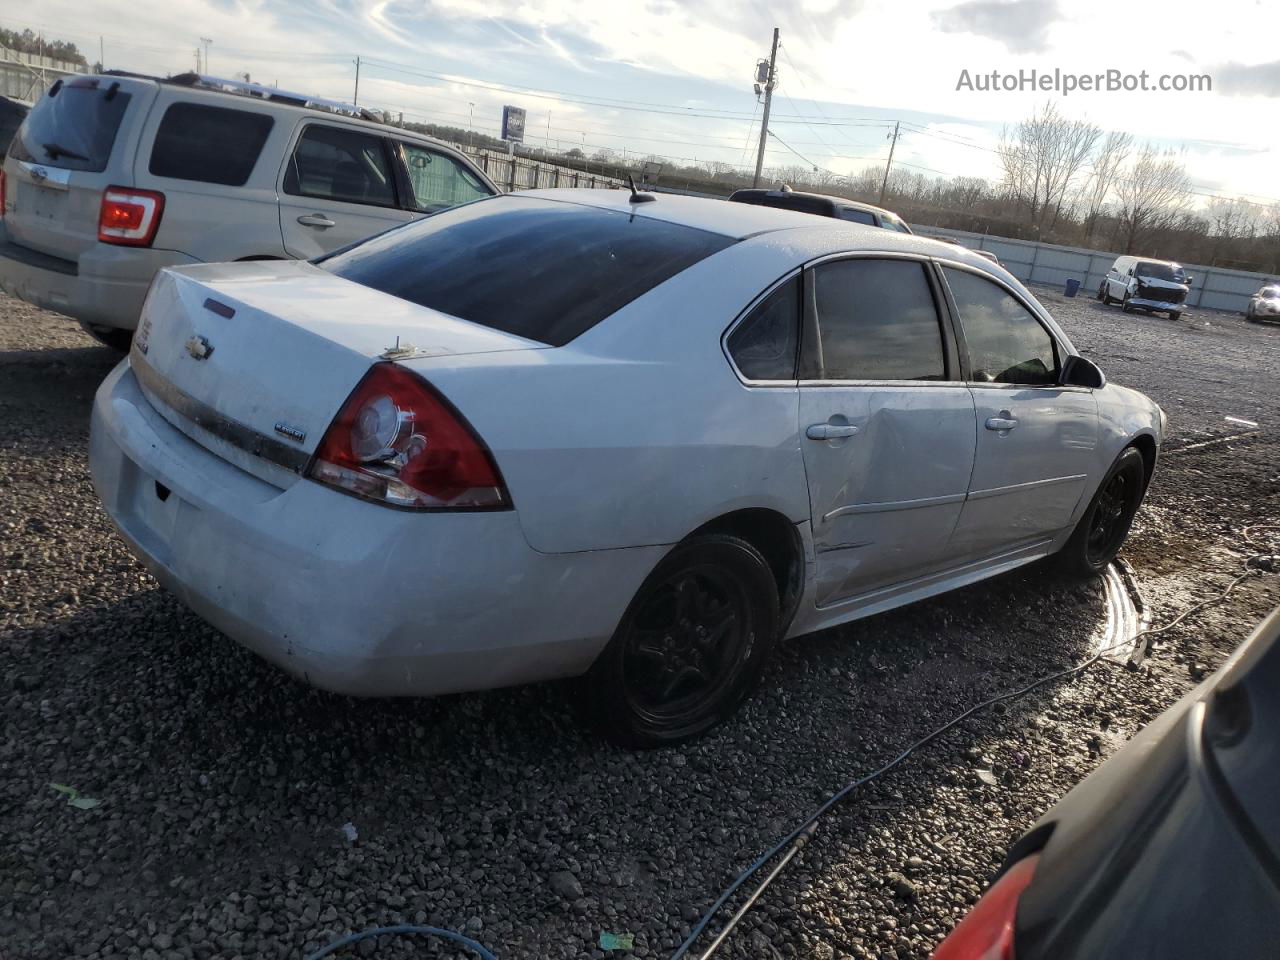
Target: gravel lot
(224, 786)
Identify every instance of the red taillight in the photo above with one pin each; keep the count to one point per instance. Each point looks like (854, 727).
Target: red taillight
(397, 441)
(987, 932)
(129, 217)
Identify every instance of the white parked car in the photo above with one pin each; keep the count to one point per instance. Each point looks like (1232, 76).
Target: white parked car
(1140, 283)
(460, 455)
(1264, 305)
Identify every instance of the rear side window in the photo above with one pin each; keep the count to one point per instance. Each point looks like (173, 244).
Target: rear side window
(1006, 342)
(540, 269)
(763, 346)
(876, 321)
(73, 126)
(331, 163)
(208, 144)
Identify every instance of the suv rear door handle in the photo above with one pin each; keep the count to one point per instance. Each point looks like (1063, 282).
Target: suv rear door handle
(316, 220)
(1002, 423)
(830, 431)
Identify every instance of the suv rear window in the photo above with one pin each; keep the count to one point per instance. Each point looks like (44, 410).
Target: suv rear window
(73, 126)
(541, 269)
(208, 144)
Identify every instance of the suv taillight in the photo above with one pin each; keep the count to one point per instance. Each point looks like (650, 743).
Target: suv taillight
(986, 933)
(129, 217)
(397, 441)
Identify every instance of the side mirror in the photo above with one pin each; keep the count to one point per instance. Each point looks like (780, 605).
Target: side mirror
(1079, 372)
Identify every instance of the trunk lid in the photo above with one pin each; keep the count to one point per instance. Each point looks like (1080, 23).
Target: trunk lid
(253, 360)
(79, 139)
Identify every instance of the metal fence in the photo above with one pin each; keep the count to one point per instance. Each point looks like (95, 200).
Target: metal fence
(1215, 288)
(25, 76)
(523, 173)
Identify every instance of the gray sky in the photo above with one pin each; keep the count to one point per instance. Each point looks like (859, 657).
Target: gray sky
(675, 78)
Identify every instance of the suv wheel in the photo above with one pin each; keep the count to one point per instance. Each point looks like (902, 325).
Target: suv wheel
(1124, 303)
(113, 337)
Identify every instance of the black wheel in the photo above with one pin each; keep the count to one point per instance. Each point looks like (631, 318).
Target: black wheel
(1175, 314)
(1124, 304)
(1100, 533)
(1102, 292)
(690, 646)
(113, 337)
(1248, 315)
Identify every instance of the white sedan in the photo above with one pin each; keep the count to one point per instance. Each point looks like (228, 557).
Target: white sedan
(584, 432)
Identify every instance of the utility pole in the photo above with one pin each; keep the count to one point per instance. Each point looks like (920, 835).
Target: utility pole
(102, 53)
(471, 126)
(206, 41)
(355, 96)
(768, 100)
(884, 184)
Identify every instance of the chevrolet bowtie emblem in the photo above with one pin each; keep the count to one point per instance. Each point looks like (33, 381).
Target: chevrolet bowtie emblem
(199, 347)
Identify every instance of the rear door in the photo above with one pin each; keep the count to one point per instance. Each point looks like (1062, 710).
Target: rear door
(78, 139)
(887, 424)
(339, 184)
(1037, 440)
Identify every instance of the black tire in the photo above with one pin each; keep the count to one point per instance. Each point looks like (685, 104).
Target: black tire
(1102, 529)
(1175, 314)
(113, 337)
(1124, 304)
(1102, 292)
(1248, 315)
(691, 645)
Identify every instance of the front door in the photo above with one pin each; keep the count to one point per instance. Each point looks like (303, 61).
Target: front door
(887, 426)
(1037, 440)
(338, 186)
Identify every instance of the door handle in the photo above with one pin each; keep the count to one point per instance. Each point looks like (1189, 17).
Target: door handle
(316, 220)
(830, 431)
(1006, 422)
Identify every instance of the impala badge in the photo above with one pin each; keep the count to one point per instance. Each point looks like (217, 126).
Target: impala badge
(199, 348)
(290, 431)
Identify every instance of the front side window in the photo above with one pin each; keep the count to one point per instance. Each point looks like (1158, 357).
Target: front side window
(439, 181)
(1007, 344)
(209, 144)
(332, 163)
(876, 321)
(894, 222)
(540, 269)
(764, 345)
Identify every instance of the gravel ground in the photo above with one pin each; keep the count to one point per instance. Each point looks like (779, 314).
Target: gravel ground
(223, 786)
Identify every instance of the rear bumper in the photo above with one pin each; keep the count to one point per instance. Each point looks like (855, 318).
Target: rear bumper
(106, 286)
(349, 596)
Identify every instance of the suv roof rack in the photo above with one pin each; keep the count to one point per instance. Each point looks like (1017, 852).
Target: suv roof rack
(258, 91)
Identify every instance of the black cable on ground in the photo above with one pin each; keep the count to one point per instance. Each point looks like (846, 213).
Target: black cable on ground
(401, 930)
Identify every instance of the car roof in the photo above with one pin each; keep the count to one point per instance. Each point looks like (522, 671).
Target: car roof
(837, 201)
(261, 95)
(745, 220)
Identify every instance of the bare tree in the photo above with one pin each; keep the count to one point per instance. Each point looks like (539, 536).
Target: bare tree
(1042, 159)
(1111, 157)
(1152, 192)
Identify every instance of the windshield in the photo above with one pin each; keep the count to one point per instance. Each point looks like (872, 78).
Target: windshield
(540, 269)
(1269, 293)
(1156, 271)
(73, 126)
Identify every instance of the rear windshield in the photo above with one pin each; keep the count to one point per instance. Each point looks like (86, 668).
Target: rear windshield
(541, 269)
(73, 126)
(1155, 271)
